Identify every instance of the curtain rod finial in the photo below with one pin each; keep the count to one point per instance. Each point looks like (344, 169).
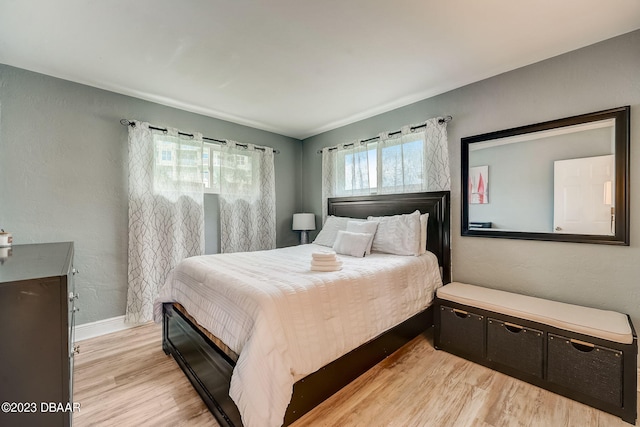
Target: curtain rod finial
(445, 119)
(125, 122)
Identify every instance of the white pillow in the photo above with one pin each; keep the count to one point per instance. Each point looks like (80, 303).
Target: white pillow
(329, 232)
(424, 218)
(354, 244)
(364, 227)
(397, 234)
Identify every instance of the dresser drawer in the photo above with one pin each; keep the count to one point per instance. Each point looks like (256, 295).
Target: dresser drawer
(515, 346)
(461, 331)
(590, 369)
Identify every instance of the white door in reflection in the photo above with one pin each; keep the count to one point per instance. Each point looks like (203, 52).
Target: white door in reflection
(584, 196)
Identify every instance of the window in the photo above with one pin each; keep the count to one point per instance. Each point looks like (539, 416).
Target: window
(413, 159)
(166, 156)
(402, 165)
(211, 168)
(395, 165)
(360, 170)
(234, 169)
(176, 164)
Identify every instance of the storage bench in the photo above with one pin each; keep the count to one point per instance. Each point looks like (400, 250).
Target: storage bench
(583, 353)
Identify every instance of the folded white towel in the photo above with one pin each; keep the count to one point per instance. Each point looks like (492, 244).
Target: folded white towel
(316, 263)
(325, 261)
(324, 256)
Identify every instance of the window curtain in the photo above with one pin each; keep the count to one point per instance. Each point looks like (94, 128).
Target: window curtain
(347, 170)
(414, 159)
(166, 214)
(247, 198)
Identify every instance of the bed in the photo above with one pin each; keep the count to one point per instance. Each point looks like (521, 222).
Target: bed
(209, 362)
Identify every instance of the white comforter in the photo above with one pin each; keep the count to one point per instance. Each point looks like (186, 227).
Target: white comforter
(286, 321)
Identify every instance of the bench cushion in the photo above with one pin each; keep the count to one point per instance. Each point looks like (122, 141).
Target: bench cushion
(608, 325)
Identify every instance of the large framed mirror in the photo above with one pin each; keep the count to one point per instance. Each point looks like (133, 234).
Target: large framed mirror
(563, 180)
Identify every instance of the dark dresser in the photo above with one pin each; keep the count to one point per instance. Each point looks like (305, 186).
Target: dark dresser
(37, 308)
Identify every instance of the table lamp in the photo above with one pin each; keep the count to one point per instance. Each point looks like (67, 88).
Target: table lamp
(303, 222)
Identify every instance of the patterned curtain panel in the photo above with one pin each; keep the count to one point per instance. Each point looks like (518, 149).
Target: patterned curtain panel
(166, 215)
(414, 159)
(348, 170)
(247, 198)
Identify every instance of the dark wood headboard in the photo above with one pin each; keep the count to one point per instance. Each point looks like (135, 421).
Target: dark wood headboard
(436, 203)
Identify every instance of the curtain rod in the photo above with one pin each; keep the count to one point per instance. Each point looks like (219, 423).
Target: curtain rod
(441, 121)
(126, 122)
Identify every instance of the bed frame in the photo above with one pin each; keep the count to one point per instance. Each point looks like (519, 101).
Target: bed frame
(209, 368)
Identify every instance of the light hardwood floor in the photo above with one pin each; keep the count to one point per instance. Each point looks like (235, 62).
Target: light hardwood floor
(125, 379)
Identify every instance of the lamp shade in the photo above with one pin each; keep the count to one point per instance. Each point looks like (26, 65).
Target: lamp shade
(304, 221)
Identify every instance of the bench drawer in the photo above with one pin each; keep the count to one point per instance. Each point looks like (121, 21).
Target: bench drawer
(515, 346)
(591, 369)
(461, 331)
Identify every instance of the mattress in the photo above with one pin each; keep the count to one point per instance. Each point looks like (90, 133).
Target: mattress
(217, 341)
(286, 321)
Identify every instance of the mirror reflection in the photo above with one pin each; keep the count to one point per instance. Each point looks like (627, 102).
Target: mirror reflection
(556, 180)
(560, 180)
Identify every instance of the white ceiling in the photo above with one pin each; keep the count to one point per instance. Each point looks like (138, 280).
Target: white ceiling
(296, 67)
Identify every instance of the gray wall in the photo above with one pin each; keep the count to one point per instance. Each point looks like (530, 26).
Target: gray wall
(63, 175)
(594, 78)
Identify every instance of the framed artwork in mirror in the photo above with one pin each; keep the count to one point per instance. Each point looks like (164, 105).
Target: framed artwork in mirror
(479, 184)
(562, 180)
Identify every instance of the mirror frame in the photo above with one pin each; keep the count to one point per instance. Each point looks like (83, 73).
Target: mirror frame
(621, 143)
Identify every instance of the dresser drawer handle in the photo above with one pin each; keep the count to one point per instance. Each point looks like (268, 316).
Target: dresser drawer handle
(512, 327)
(460, 313)
(582, 345)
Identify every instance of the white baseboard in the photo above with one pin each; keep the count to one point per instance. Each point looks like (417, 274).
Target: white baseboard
(101, 327)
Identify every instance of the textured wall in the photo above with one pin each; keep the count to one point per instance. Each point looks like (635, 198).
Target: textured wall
(63, 175)
(598, 77)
